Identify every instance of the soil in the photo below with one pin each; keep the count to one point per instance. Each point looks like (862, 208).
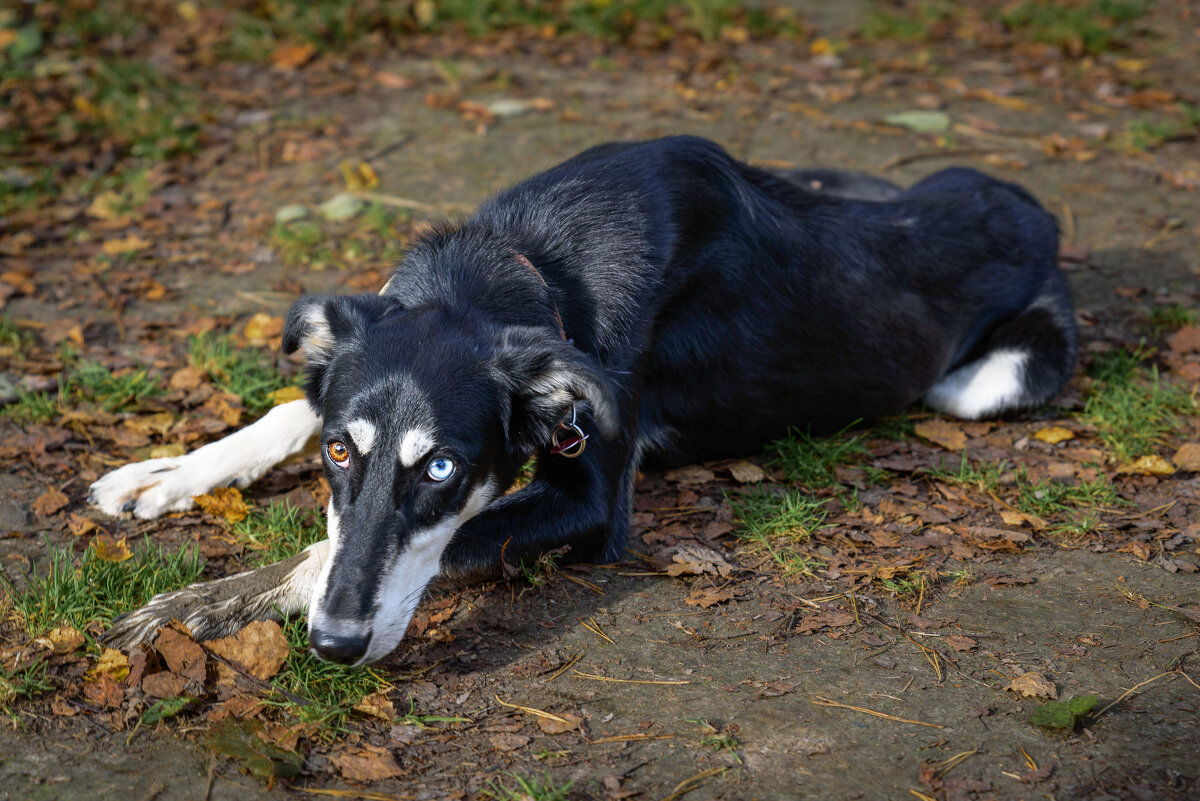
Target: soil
(748, 669)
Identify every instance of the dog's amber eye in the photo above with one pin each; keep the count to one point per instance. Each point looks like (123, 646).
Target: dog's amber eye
(339, 453)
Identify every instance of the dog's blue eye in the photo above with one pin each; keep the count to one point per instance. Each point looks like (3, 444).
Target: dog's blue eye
(440, 469)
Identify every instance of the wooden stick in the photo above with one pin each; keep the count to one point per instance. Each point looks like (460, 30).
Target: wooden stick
(819, 701)
(594, 677)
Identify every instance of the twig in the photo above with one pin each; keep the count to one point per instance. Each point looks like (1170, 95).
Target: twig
(212, 774)
(582, 582)
(594, 677)
(564, 668)
(591, 625)
(1134, 689)
(624, 738)
(948, 764)
(819, 701)
(687, 785)
(531, 711)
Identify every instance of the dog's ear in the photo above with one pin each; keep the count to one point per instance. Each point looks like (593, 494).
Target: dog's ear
(318, 323)
(540, 377)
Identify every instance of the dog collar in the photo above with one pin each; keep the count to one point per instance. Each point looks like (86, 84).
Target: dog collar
(572, 444)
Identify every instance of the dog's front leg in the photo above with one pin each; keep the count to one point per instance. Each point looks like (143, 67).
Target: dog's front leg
(218, 608)
(151, 488)
(584, 505)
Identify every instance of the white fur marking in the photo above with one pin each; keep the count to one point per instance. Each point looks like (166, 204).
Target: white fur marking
(982, 388)
(363, 433)
(414, 444)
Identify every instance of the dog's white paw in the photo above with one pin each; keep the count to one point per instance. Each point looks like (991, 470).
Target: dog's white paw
(147, 489)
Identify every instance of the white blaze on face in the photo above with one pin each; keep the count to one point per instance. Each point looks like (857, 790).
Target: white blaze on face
(316, 615)
(363, 432)
(414, 444)
(404, 583)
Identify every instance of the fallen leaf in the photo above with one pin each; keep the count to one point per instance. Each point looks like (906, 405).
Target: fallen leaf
(79, 525)
(390, 80)
(289, 56)
(747, 472)
(1187, 458)
(696, 560)
(286, 395)
(709, 596)
(108, 549)
(366, 763)
(260, 648)
(1185, 340)
(920, 121)
(1152, 465)
(65, 639)
(182, 654)
(831, 618)
(50, 502)
(358, 175)
(262, 328)
(692, 474)
(225, 502)
(1012, 517)
(508, 741)
(164, 684)
(240, 740)
(1054, 434)
(167, 708)
(104, 691)
(377, 705)
(186, 378)
(942, 432)
(129, 244)
(960, 643)
(774, 689)
(568, 723)
(1033, 685)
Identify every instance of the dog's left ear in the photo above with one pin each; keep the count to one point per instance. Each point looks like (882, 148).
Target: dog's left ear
(540, 378)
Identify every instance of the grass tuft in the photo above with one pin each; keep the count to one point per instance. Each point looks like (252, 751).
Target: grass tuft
(528, 789)
(115, 391)
(778, 524)
(278, 531)
(1131, 408)
(25, 681)
(242, 371)
(811, 461)
(99, 591)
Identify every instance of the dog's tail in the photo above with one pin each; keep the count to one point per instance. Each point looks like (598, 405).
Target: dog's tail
(1023, 361)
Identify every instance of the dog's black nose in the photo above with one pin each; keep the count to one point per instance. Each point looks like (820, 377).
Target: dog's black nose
(339, 648)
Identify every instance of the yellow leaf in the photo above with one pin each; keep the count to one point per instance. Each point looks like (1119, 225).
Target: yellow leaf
(224, 502)
(61, 640)
(168, 450)
(821, 47)
(1054, 434)
(1152, 465)
(188, 11)
(105, 206)
(942, 432)
(129, 244)
(112, 663)
(286, 395)
(261, 328)
(358, 175)
(108, 549)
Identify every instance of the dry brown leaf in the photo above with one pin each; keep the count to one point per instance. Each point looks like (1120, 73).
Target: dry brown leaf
(181, 653)
(65, 639)
(50, 502)
(774, 689)
(708, 596)
(390, 80)
(224, 502)
(1185, 340)
(960, 643)
(508, 741)
(164, 684)
(568, 723)
(260, 648)
(831, 618)
(747, 472)
(186, 378)
(696, 560)
(692, 474)
(1054, 434)
(377, 705)
(1152, 465)
(129, 244)
(366, 763)
(1012, 517)
(292, 56)
(108, 549)
(1033, 685)
(1188, 457)
(79, 525)
(104, 691)
(942, 432)
(158, 423)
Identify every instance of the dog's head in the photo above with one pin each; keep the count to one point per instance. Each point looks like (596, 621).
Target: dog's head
(428, 415)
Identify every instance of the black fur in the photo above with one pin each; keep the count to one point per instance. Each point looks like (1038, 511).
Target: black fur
(709, 306)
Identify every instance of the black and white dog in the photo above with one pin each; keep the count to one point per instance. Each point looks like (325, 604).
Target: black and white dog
(660, 299)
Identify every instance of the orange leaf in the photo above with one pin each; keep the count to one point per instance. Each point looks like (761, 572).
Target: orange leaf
(224, 502)
(942, 432)
(108, 549)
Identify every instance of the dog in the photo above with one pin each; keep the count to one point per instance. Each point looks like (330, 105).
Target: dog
(642, 304)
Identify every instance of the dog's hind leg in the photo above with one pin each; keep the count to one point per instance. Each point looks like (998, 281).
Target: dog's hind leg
(1023, 361)
(151, 488)
(218, 608)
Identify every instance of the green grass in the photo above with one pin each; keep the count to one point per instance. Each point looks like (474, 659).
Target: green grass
(30, 408)
(1172, 317)
(718, 739)
(905, 585)
(1046, 498)
(330, 691)
(982, 476)
(1132, 410)
(99, 591)
(1084, 26)
(914, 24)
(541, 788)
(243, 371)
(278, 531)
(26, 681)
(412, 718)
(120, 391)
(811, 461)
(303, 243)
(779, 524)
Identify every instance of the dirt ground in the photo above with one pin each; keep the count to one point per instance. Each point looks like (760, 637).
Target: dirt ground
(742, 704)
